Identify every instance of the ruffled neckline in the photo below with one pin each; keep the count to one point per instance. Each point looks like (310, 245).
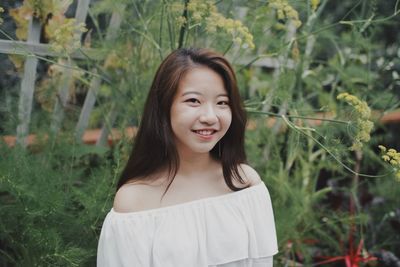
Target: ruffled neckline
(191, 203)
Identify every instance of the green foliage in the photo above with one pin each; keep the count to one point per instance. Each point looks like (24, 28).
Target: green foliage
(306, 53)
(54, 199)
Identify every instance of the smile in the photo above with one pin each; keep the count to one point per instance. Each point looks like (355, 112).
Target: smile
(204, 132)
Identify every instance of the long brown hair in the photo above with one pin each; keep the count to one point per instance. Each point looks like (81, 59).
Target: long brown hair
(154, 148)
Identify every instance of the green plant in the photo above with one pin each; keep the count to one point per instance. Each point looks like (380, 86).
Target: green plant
(53, 201)
(306, 55)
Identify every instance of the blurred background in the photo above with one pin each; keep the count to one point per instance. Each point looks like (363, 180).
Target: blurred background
(319, 79)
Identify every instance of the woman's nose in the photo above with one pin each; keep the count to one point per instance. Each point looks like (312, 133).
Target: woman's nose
(208, 115)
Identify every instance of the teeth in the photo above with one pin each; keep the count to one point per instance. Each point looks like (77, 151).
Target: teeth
(205, 132)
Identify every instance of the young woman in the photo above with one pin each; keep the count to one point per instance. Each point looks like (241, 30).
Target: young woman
(186, 198)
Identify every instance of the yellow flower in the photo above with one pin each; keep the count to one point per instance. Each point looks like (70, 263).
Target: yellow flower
(342, 95)
(205, 13)
(350, 99)
(234, 27)
(39, 9)
(392, 157)
(382, 148)
(1, 11)
(363, 112)
(285, 11)
(177, 7)
(64, 34)
(280, 14)
(398, 176)
(196, 16)
(314, 5)
(238, 40)
(297, 23)
(211, 28)
(357, 145)
(180, 20)
(118, 59)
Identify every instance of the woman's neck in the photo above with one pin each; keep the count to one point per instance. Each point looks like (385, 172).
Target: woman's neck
(194, 164)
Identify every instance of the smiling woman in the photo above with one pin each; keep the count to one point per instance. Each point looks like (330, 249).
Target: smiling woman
(200, 113)
(190, 143)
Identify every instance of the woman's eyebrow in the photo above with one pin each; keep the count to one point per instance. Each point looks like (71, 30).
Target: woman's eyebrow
(191, 92)
(198, 93)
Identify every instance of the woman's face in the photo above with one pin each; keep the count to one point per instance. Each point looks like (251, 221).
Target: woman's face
(200, 111)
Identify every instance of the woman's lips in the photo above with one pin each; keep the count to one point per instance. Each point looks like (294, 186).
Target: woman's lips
(205, 134)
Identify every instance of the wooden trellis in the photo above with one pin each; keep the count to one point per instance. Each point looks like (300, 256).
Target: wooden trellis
(32, 48)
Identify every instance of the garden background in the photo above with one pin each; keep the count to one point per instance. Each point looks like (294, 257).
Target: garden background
(320, 80)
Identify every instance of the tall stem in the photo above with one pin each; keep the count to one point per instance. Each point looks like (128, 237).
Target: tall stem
(184, 25)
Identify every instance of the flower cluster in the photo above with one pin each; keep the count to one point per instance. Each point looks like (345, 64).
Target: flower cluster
(240, 33)
(284, 11)
(1, 11)
(364, 125)
(48, 88)
(206, 13)
(118, 59)
(42, 8)
(21, 18)
(314, 5)
(392, 157)
(64, 34)
(176, 10)
(198, 9)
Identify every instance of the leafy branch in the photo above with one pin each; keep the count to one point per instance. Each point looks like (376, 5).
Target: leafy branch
(301, 130)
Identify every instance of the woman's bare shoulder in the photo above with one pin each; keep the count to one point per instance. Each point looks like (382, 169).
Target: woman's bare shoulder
(249, 174)
(136, 196)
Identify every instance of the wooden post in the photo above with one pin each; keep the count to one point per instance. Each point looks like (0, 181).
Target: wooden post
(115, 22)
(87, 107)
(28, 85)
(90, 99)
(107, 126)
(66, 79)
(14, 47)
(82, 10)
(62, 98)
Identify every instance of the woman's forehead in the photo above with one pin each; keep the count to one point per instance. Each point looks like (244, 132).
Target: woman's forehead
(202, 81)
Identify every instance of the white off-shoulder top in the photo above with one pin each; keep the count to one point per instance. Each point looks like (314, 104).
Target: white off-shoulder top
(232, 230)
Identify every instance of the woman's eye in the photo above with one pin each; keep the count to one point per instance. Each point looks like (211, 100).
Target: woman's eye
(224, 103)
(193, 100)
